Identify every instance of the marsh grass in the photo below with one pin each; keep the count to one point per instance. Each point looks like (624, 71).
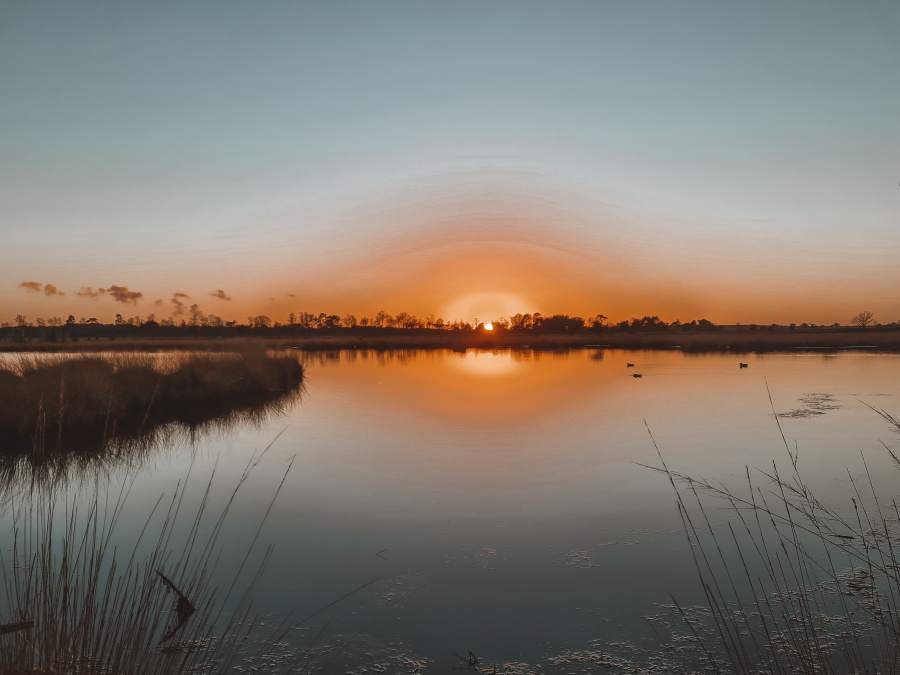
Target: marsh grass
(87, 403)
(97, 608)
(792, 584)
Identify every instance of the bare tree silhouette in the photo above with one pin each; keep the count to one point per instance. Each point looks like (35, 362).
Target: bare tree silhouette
(863, 319)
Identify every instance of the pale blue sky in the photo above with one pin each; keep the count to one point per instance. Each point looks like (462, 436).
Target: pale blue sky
(173, 146)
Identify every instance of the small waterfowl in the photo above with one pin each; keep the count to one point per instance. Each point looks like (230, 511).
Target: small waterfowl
(637, 375)
(743, 365)
(629, 365)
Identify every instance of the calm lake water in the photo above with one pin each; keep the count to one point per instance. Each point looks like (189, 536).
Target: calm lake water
(496, 500)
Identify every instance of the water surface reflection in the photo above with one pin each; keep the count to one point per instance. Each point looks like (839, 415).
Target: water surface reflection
(498, 496)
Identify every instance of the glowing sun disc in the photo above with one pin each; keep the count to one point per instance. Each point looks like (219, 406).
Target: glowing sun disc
(489, 326)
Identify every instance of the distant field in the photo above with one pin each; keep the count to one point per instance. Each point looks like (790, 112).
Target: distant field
(728, 339)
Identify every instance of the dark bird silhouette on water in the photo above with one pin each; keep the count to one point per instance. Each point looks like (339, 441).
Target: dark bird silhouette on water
(743, 365)
(637, 375)
(629, 365)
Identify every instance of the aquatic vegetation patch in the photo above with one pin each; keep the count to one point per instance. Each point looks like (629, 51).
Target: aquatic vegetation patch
(581, 560)
(813, 404)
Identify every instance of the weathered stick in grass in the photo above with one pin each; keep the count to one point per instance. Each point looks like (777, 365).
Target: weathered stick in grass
(183, 609)
(16, 626)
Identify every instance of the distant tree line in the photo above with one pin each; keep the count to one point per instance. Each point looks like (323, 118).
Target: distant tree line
(301, 323)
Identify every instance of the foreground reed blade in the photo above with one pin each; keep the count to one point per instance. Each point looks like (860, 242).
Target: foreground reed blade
(792, 584)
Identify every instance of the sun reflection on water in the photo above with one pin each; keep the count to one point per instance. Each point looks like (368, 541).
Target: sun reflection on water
(486, 363)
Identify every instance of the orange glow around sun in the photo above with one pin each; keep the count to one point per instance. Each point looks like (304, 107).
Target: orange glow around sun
(489, 326)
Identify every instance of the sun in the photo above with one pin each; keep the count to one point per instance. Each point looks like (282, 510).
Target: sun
(485, 303)
(489, 326)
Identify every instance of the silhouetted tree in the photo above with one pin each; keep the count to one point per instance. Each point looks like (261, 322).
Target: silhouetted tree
(560, 323)
(598, 322)
(382, 319)
(306, 319)
(863, 319)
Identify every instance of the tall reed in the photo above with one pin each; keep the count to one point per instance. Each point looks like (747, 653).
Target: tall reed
(98, 609)
(792, 584)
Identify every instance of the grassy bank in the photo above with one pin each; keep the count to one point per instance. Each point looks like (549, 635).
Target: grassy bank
(734, 339)
(81, 403)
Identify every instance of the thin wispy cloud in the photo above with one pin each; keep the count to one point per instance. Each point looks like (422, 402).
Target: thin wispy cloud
(220, 294)
(31, 285)
(122, 294)
(89, 292)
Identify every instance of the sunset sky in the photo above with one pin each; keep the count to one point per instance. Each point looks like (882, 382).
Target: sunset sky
(737, 161)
